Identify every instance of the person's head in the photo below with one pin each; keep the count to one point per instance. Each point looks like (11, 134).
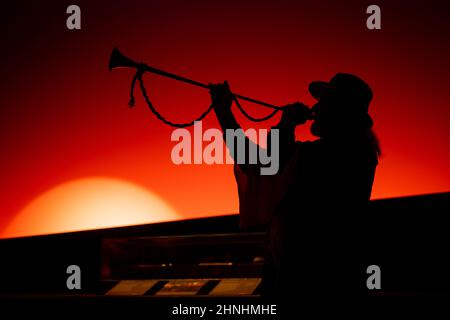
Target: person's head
(342, 105)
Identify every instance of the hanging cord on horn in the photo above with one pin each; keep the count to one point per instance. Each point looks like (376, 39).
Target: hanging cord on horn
(138, 77)
(270, 115)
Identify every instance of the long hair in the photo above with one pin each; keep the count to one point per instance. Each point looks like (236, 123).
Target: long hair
(374, 142)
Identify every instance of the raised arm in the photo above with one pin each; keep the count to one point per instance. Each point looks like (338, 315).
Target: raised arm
(293, 115)
(222, 99)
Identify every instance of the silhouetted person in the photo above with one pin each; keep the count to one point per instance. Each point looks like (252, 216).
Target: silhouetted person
(315, 206)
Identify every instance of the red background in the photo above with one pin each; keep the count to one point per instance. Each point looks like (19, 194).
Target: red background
(64, 116)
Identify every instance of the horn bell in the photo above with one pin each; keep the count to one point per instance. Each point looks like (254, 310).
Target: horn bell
(119, 60)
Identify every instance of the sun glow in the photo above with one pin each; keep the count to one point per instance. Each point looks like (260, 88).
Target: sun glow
(90, 203)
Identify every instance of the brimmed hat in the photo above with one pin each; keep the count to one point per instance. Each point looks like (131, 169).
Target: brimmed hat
(351, 91)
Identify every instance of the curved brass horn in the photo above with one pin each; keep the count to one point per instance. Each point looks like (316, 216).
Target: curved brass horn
(119, 60)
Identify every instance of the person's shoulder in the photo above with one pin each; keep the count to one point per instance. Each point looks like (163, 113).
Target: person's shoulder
(309, 149)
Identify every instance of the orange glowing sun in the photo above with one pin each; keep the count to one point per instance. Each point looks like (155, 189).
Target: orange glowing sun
(90, 203)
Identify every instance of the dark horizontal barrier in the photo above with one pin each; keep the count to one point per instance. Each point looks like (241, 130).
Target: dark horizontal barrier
(408, 241)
